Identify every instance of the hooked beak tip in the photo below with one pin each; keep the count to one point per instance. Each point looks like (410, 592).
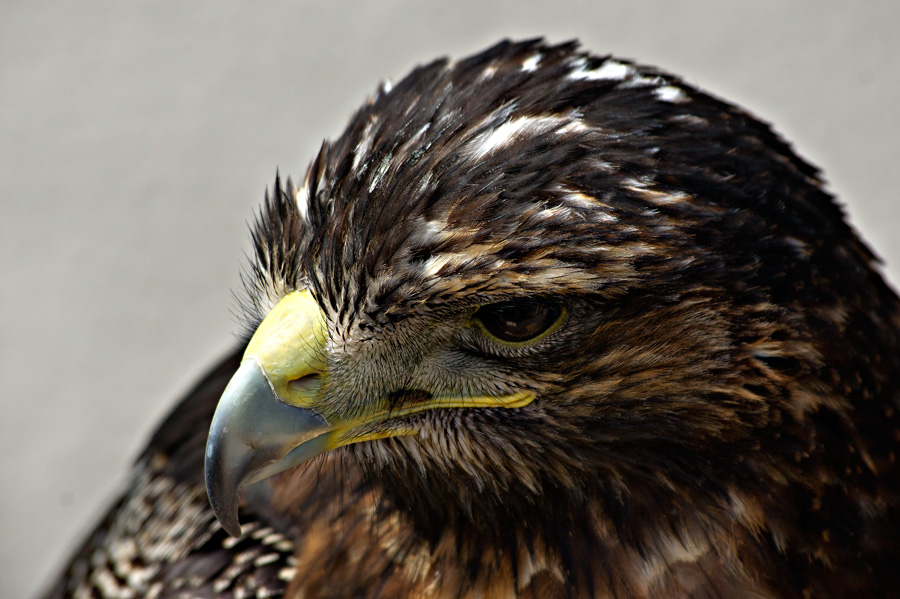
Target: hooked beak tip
(254, 435)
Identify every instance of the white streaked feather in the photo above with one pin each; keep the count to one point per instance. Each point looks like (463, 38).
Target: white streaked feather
(609, 70)
(498, 137)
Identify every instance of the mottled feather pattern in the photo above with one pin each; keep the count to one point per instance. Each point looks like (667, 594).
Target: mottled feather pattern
(163, 541)
(717, 416)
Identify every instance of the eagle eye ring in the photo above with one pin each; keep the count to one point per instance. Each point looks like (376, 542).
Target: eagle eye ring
(518, 320)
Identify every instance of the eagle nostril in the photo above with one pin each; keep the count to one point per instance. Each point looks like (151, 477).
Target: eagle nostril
(308, 383)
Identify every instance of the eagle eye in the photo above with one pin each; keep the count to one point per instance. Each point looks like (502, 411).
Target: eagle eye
(516, 321)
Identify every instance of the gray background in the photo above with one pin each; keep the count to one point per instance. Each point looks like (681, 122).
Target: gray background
(136, 139)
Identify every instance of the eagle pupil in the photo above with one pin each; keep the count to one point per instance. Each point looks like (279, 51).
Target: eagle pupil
(518, 320)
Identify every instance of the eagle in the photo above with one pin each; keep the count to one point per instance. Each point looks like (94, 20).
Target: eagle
(539, 324)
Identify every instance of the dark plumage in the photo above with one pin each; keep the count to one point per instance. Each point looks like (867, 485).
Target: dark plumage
(675, 369)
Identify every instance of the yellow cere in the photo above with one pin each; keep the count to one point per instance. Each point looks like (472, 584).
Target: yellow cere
(289, 345)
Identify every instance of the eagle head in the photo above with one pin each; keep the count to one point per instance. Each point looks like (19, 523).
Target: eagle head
(543, 303)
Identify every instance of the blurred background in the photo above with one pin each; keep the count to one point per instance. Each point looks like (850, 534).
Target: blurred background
(136, 139)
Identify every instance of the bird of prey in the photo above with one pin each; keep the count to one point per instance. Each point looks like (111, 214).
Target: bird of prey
(538, 324)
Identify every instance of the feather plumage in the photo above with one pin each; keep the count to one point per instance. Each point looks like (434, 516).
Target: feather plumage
(716, 416)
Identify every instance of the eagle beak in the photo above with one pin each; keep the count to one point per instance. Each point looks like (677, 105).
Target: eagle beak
(253, 436)
(263, 424)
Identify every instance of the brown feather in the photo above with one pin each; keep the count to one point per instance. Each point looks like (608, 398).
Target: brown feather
(717, 416)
